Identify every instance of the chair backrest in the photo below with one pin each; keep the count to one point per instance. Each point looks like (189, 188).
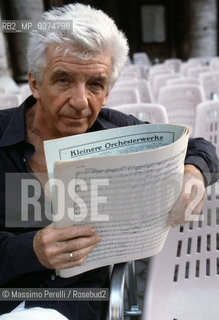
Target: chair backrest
(140, 69)
(214, 64)
(183, 80)
(154, 113)
(195, 71)
(127, 76)
(9, 100)
(175, 63)
(185, 66)
(157, 71)
(141, 58)
(160, 80)
(183, 278)
(207, 122)
(160, 68)
(122, 96)
(209, 82)
(132, 69)
(144, 69)
(180, 103)
(203, 60)
(143, 87)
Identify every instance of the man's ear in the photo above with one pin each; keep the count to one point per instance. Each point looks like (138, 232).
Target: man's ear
(34, 86)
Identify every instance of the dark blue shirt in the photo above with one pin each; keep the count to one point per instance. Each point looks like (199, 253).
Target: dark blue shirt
(19, 266)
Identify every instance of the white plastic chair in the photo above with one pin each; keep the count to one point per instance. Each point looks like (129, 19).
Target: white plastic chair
(202, 60)
(144, 69)
(141, 58)
(207, 122)
(174, 62)
(140, 69)
(154, 113)
(183, 278)
(122, 96)
(209, 81)
(195, 71)
(131, 69)
(180, 103)
(214, 64)
(160, 80)
(160, 68)
(183, 80)
(9, 100)
(143, 87)
(128, 76)
(185, 66)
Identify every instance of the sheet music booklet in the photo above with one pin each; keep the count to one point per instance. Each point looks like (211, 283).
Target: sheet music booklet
(122, 181)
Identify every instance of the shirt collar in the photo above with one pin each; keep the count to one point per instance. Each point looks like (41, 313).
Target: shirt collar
(15, 131)
(103, 122)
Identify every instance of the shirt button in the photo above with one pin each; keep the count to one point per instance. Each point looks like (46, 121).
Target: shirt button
(53, 277)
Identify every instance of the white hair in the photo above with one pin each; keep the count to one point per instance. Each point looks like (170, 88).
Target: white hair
(93, 33)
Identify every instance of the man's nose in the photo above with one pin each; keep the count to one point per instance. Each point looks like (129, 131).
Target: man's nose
(79, 99)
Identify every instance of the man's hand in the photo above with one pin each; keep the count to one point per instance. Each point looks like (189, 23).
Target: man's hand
(191, 199)
(53, 246)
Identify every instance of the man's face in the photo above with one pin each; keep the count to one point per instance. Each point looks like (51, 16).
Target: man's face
(71, 93)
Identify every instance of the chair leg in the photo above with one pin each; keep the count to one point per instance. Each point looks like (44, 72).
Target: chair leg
(133, 311)
(117, 288)
(116, 303)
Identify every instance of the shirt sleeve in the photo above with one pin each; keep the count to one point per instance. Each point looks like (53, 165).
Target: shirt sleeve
(18, 255)
(202, 154)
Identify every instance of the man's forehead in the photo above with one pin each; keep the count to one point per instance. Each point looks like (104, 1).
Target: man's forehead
(67, 54)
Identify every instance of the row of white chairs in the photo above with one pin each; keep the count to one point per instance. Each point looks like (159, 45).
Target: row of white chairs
(206, 117)
(208, 81)
(178, 65)
(178, 93)
(201, 71)
(180, 101)
(182, 281)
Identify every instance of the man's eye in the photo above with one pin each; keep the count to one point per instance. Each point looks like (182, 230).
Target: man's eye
(97, 85)
(62, 81)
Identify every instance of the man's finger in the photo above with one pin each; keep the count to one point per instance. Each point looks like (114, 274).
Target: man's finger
(72, 232)
(78, 255)
(77, 244)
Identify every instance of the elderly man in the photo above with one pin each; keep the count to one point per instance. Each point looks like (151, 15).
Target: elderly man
(70, 76)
